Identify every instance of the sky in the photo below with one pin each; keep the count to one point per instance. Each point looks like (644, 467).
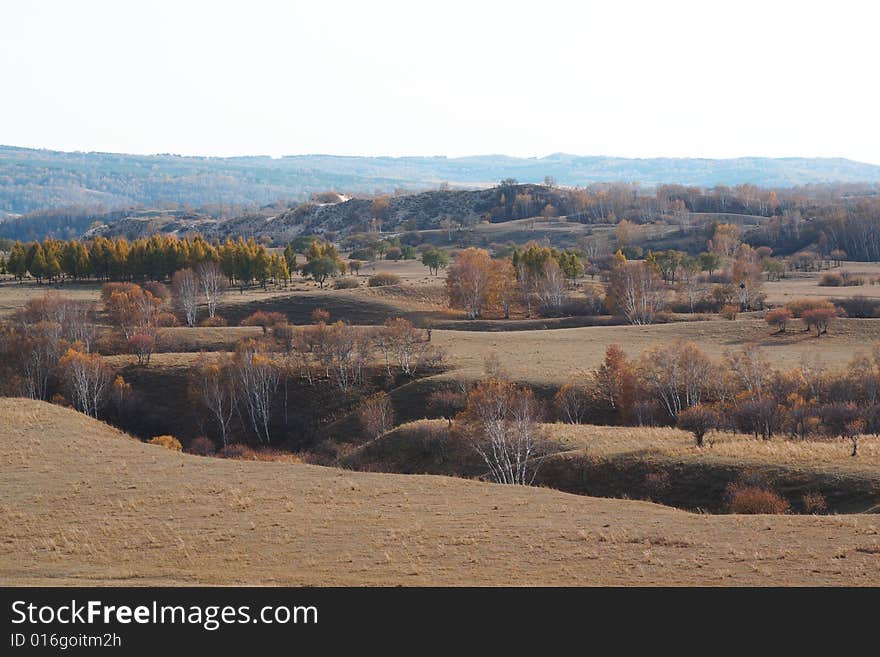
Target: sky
(624, 78)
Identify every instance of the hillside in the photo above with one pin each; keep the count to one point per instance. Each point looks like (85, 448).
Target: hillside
(81, 503)
(37, 179)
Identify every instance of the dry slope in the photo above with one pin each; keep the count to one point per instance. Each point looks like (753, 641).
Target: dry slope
(81, 503)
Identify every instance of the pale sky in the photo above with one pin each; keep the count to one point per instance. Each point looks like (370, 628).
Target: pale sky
(616, 77)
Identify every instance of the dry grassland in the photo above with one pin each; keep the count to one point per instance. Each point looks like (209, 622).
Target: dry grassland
(80, 503)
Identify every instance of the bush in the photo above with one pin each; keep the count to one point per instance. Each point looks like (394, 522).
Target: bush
(752, 499)
(238, 451)
(840, 279)
(166, 320)
(168, 442)
(799, 306)
(201, 446)
(779, 318)
(158, 290)
(814, 502)
(831, 279)
(213, 321)
(729, 311)
(859, 306)
(345, 283)
(657, 484)
(382, 279)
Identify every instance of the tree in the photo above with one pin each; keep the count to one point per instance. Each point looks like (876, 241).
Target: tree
(213, 284)
(212, 386)
(679, 375)
(699, 420)
(501, 423)
(635, 291)
(614, 382)
(320, 269)
(257, 380)
(142, 345)
(88, 380)
(571, 403)
(435, 260)
(779, 318)
(468, 281)
(709, 262)
(265, 320)
(402, 343)
(376, 414)
(551, 289)
(185, 289)
(819, 319)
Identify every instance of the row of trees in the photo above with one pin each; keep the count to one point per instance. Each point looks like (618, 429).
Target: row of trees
(679, 384)
(155, 258)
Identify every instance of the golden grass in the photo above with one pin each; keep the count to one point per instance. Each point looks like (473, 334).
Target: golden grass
(558, 355)
(721, 447)
(80, 503)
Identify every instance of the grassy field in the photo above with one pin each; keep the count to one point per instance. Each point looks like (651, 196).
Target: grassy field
(81, 503)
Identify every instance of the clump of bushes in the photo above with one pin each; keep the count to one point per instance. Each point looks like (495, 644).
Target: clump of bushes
(213, 321)
(201, 446)
(382, 279)
(798, 307)
(814, 502)
(345, 283)
(729, 311)
(168, 442)
(840, 279)
(747, 498)
(238, 451)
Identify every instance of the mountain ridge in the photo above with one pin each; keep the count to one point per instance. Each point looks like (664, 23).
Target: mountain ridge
(37, 179)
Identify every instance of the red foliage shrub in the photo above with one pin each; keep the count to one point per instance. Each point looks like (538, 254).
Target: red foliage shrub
(753, 499)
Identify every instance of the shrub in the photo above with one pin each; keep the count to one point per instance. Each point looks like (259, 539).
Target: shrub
(729, 311)
(320, 316)
(752, 499)
(699, 420)
(158, 290)
(394, 253)
(814, 502)
(142, 345)
(382, 279)
(166, 320)
(345, 283)
(657, 484)
(446, 403)
(831, 279)
(238, 451)
(778, 318)
(168, 442)
(859, 306)
(799, 306)
(264, 320)
(201, 446)
(213, 321)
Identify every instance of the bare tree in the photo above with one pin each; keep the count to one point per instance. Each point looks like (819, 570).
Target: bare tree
(400, 342)
(376, 414)
(213, 284)
(257, 380)
(636, 291)
(551, 288)
(212, 386)
(88, 380)
(501, 422)
(185, 288)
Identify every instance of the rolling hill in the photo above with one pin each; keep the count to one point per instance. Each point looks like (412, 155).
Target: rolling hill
(82, 503)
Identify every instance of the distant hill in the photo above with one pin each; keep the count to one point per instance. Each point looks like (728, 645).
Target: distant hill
(38, 179)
